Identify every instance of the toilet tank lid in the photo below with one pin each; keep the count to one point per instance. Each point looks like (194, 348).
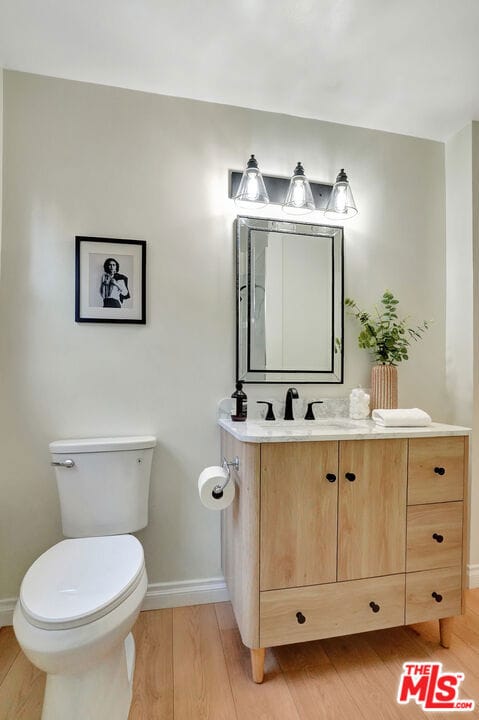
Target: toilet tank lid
(106, 444)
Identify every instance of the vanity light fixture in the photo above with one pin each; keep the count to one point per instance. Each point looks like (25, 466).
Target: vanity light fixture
(252, 192)
(297, 195)
(299, 199)
(341, 203)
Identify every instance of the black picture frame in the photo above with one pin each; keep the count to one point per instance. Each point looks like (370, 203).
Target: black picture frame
(110, 297)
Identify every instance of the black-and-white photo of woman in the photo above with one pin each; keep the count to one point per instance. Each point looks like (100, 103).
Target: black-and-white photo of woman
(114, 286)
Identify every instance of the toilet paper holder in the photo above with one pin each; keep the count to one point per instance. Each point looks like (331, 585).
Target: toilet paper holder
(226, 465)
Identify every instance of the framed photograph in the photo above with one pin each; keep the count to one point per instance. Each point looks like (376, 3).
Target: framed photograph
(110, 280)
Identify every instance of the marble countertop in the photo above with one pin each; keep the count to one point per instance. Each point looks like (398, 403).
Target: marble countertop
(262, 431)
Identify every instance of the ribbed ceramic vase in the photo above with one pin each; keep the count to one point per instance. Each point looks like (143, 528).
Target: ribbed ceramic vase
(384, 386)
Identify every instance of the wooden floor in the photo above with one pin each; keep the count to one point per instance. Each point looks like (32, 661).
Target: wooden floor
(191, 665)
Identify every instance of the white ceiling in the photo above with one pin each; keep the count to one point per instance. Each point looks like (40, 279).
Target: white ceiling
(407, 66)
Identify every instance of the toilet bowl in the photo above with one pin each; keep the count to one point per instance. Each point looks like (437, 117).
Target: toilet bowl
(77, 605)
(79, 600)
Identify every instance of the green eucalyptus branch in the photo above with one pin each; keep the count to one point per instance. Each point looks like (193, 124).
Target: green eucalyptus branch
(383, 333)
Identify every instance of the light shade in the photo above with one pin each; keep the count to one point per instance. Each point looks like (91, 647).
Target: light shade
(252, 191)
(341, 205)
(299, 199)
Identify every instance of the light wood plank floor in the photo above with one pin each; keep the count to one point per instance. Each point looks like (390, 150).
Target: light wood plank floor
(192, 665)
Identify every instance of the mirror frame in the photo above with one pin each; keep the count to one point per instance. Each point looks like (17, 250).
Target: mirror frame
(244, 227)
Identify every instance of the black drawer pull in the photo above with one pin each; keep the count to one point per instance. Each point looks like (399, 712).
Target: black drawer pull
(374, 607)
(331, 477)
(437, 597)
(440, 470)
(301, 618)
(438, 538)
(350, 477)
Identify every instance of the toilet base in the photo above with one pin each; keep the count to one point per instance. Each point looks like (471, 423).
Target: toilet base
(104, 691)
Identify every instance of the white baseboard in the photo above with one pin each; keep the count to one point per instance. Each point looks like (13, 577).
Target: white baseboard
(158, 595)
(190, 592)
(7, 607)
(473, 576)
(185, 592)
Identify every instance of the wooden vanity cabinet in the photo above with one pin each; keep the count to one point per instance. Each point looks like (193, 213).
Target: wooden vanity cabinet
(329, 538)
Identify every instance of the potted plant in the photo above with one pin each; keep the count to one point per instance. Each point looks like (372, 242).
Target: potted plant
(388, 338)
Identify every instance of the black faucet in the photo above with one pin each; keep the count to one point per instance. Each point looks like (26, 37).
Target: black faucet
(288, 408)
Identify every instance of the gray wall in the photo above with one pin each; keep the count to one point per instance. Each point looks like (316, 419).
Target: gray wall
(92, 160)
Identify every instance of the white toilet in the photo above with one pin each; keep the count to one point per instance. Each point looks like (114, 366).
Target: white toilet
(80, 599)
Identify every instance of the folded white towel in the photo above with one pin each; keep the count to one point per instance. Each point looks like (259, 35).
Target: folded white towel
(412, 417)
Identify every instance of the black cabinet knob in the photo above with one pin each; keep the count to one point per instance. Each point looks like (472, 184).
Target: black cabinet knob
(437, 597)
(331, 477)
(301, 618)
(374, 607)
(350, 477)
(439, 470)
(438, 538)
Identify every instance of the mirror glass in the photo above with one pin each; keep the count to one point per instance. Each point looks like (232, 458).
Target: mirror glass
(289, 279)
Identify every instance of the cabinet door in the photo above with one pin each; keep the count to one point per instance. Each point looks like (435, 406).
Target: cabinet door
(372, 508)
(299, 491)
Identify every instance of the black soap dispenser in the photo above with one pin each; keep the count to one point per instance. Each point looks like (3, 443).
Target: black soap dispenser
(240, 410)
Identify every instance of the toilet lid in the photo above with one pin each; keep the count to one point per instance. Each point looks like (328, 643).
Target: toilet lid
(80, 580)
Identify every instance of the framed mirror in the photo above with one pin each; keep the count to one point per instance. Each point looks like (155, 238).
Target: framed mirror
(289, 298)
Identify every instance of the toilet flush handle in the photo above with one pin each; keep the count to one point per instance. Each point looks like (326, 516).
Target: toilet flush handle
(64, 463)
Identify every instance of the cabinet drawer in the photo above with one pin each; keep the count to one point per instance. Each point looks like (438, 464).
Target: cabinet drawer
(433, 594)
(434, 536)
(435, 470)
(330, 610)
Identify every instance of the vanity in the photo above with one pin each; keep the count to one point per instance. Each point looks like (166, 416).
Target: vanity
(340, 526)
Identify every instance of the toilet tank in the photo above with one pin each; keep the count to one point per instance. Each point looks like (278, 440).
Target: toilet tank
(103, 484)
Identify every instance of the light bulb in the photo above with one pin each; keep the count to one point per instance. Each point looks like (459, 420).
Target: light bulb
(252, 185)
(340, 199)
(299, 194)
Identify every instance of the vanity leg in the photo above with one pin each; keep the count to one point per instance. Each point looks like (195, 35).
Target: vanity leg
(257, 664)
(445, 630)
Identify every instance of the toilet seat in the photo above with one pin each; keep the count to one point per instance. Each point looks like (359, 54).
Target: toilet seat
(80, 580)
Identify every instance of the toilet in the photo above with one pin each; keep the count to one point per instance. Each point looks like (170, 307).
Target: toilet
(80, 599)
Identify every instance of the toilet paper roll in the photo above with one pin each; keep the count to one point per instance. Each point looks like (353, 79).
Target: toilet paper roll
(207, 481)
